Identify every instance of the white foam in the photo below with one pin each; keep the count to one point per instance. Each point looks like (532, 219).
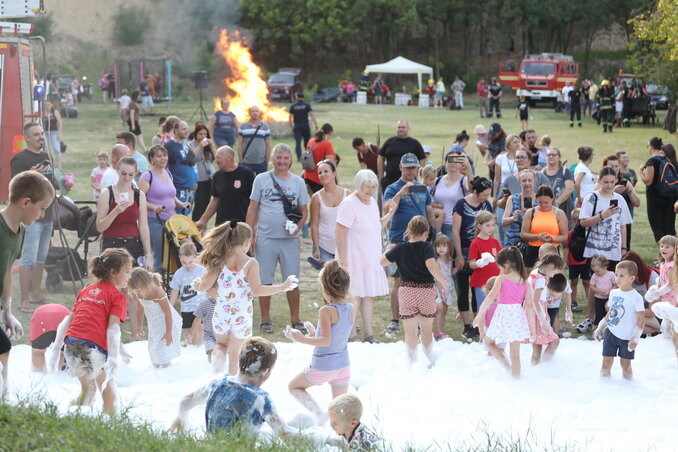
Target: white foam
(563, 402)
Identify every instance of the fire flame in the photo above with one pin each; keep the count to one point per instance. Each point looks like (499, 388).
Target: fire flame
(247, 85)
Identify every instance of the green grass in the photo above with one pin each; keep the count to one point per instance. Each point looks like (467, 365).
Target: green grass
(95, 129)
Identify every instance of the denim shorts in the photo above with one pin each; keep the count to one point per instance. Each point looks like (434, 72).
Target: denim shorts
(36, 244)
(613, 346)
(325, 255)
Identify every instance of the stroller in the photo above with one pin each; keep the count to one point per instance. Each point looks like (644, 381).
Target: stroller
(176, 230)
(64, 263)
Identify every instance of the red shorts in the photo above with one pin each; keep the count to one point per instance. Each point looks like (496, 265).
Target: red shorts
(416, 299)
(337, 377)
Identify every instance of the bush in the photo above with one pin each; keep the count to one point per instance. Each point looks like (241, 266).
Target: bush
(129, 25)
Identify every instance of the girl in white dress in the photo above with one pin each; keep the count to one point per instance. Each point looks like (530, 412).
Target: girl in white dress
(164, 322)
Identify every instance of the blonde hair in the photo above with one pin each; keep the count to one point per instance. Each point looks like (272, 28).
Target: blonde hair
(347, 406)
(483, 217)
(442, 238)
(546, 141)
(220, 241)
(629, 266)
(188, 249)
(670, 240)
(489, 284)
(598, 259)
(103, 154)
(417, 226)
(575, 215)
(546, 249)
(142, 279)
(425, 172)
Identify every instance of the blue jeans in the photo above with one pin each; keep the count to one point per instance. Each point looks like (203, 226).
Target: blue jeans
(185, 195)
(479, 295)
(36, 244)
(325, 255)
(155, 230)
(56, 144)
(258, 168)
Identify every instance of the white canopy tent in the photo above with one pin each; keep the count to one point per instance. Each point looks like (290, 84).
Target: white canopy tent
(401, 65)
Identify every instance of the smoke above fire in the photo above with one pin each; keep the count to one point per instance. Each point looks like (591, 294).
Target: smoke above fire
(247, 86)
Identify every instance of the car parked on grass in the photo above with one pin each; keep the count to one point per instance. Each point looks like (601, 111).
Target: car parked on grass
(284, 84)
(660, 95)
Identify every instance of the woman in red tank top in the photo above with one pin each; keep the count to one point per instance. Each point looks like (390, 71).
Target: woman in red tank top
(118, 218)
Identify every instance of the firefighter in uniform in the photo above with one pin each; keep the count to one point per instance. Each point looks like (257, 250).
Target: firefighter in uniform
(605, 102)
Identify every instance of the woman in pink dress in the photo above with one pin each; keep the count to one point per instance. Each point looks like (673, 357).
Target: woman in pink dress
(358, 238)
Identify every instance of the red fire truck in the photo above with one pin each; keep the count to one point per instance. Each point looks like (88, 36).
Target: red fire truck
(539, 77)
(16, 82)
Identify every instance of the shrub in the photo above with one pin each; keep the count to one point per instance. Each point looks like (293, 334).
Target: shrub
(129, 25)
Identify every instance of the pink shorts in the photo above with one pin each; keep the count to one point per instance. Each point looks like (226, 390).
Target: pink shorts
(337, 377)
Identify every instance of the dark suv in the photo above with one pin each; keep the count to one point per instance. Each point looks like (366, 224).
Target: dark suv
(284, 84)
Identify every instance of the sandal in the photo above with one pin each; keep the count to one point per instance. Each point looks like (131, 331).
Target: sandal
(441, 336)
(371, 340)
(266, 327)
(26, 309)
(300, 326)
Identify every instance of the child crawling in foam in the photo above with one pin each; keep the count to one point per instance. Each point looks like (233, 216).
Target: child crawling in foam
(345, 412)
(238, 401)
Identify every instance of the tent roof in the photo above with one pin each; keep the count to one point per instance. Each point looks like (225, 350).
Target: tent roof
(400, 65)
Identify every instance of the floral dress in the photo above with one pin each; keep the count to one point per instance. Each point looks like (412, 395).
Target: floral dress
(233, 312)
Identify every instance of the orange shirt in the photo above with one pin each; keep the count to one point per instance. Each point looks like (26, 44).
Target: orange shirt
(543, 222)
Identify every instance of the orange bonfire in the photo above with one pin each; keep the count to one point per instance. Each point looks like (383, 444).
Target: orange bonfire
(247, 85)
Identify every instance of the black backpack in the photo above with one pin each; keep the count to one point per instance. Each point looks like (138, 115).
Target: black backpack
(580, 236)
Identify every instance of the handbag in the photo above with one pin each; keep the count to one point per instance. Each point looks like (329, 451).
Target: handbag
(293, 213)
(580, 235)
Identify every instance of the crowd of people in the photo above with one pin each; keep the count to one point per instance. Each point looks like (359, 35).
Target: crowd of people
(496, 242)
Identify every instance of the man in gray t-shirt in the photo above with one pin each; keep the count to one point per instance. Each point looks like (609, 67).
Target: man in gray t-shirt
(275, 239)
(254, 142)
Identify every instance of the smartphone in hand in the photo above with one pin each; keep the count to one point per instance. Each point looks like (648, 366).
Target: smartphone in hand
(418, 189)
(527, 202)
(614, 203)
(124, 197)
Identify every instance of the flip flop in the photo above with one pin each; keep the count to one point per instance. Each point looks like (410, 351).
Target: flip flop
(266, 327)
(26, 309)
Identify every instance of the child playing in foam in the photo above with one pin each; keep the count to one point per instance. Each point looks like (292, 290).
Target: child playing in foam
(238, 402)
(620, 329)
(443, 247)
(226, 261)
(91, 333)
(202, 324)
(345, 412)
(418, 273)
(164, 322)
(539, 278)
(509, 323)
(330, 362)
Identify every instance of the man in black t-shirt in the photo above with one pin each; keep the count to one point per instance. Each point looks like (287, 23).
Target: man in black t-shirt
(529, 139)
(39, 234)
(300, 111)
(231, 188)
(393, 150)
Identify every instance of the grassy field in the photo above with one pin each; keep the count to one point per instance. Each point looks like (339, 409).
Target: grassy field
(95, 129)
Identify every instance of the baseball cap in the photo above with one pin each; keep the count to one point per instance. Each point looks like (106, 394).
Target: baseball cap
(427, 149)
(479, 129)
(300, 95)
(409, 160)
(494, 128)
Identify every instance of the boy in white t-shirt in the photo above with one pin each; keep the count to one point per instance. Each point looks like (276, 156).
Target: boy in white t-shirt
(623, 331)
(182, 281)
